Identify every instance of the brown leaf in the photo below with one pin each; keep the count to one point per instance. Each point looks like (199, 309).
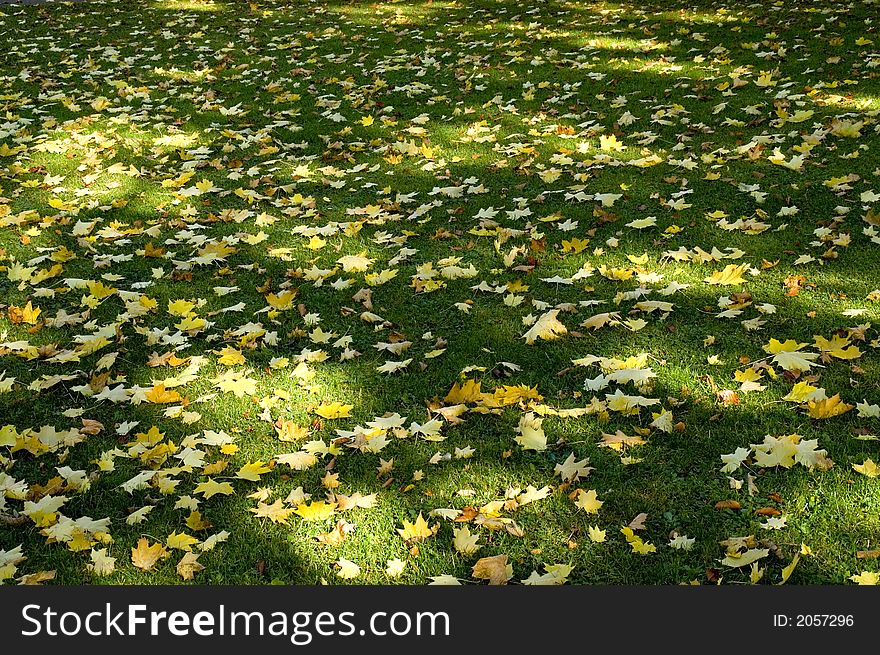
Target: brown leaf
(215, 468)
(155, 359)
(728, 504)
(151, 250)
(337, 535)
(99, 381)
(36, 578)
(91, 426)
(52, 487)
(494, 569)
(638, 523)
(467, 515)
(365, 297)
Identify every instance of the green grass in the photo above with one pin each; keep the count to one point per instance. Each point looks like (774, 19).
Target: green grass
(84, 87)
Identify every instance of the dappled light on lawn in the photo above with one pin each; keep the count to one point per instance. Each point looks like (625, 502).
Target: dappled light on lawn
(439, 292)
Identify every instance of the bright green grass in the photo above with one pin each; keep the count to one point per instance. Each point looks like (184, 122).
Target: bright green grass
(577, 58)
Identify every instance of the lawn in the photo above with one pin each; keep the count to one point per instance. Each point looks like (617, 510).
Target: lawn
(439, 292)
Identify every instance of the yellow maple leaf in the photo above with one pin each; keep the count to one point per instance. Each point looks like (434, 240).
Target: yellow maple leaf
(795, 361)
(181, 541)
(276, 512)
(212, 488)
(394, 568)
(531, 434)
(290, 431)
(46, 274)
(747, 375)
(347, 569)
(214, 251)
(380, 278)
(866, 578)
(315, 243)
(298, 461)
(619, 440)
(774, 346)
(827, 407)
(837, 346)
(6, 151)
(252, 471)
(37, 578)
(868, 468)
(215, 468)
(334, 410)
(610, 143)
(195, 521)
(596, 534)
(160, 395)
(191, 323)
(27, 314)
(642, 547)
(330, 480)
(102, 564)
(510, 395)
(756, 573)
(44, 511)
(800, 392)
(58, 203)
(788, 570)
(151, 436)
(100, 290)
(229, 356)
(464, 542)
(547, 327)
(765, 78)
(575, 246)
(777, 451)
(731, 275)
(588, 501)
(315, 511)
(180, 307)
(189, 565)
(469, 392)
(336, 537)
(144, 556)
(738, 560)
(236, 382)
(418, 531)
(642, 223)
(283, 300)
(8, 435)
(601, 320)
(355, 263)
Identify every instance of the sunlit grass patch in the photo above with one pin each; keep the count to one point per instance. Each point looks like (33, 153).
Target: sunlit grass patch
(189, 5)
